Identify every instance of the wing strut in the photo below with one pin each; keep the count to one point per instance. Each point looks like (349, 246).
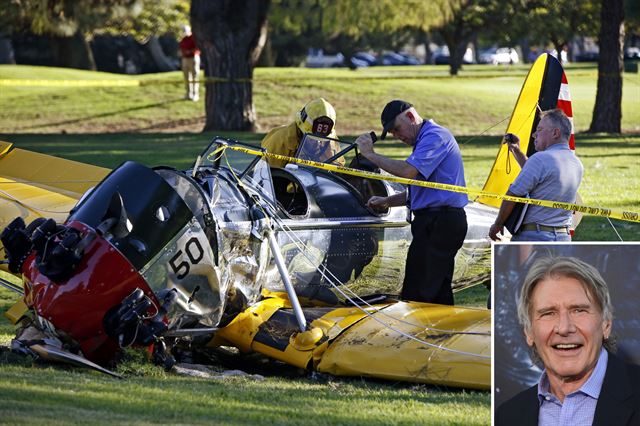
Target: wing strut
(284, 274)
(308, 336)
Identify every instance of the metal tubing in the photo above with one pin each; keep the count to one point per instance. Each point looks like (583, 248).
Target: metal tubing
(293, 298)
(11, 286)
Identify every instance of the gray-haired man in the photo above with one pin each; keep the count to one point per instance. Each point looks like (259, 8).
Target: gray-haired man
(565, 310)
(553, 173)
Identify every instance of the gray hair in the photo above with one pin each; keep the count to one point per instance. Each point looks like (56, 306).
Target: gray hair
(570, 267)
(558, 119)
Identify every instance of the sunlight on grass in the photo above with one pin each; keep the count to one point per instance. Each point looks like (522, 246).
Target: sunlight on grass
(149, 395)
(474, 101)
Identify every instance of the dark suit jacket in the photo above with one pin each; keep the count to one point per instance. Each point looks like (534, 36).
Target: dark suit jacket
(618, 404)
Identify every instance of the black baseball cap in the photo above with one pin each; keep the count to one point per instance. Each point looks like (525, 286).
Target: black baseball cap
(389, 114)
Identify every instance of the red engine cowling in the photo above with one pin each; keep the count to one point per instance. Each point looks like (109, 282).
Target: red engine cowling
(76, 307)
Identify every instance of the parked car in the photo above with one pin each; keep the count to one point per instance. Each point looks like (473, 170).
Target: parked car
(499, 55)
(441, 56)
(409, 59)
(632, 53)
(391, 58)
(365, 57)
(588, 56)
(317, 59)
(563, 58)
(362, 60)
(395, 58)
(358, 63)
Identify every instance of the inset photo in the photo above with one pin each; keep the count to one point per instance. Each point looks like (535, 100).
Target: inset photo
(567, 334)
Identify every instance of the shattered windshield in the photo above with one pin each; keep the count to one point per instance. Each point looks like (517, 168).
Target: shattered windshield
(215, 155)
(250, 169)
(322, 149)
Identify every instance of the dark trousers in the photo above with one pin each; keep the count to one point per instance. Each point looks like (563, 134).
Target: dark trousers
(437, 237)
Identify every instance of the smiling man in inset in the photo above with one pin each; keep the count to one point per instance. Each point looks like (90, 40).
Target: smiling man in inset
(565, 309)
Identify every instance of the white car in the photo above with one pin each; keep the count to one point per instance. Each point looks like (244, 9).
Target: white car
(441, 56)
(317, 59)
(501, 55)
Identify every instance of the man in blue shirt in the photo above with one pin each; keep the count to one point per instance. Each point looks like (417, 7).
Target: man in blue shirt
(552, 173)
(439, 222)
(565, 309)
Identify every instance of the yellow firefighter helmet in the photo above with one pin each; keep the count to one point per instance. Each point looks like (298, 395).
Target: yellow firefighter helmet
(317, 117)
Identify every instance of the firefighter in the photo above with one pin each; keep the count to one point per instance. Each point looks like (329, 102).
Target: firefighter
(318, 117)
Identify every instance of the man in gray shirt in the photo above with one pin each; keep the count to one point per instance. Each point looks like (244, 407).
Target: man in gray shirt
(553, 173)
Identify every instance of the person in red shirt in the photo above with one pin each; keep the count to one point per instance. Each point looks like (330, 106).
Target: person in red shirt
(190, 55)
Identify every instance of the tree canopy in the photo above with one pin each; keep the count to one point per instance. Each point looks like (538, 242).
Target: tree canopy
(558, 22)
(65, 17)
(344, 25)
(71, 23)
(155, 17)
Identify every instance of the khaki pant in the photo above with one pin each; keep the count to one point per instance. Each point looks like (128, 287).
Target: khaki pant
(190, 70)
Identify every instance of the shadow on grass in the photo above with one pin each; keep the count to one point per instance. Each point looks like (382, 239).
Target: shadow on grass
(109, 150)
(593, 228)
(172, 124)
(106, 114)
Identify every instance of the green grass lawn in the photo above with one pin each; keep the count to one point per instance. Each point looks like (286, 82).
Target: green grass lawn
(81, 398)
(34, 393)
(471, 103)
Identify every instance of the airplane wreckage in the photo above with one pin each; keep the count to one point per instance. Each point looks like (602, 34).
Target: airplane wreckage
(283, 262)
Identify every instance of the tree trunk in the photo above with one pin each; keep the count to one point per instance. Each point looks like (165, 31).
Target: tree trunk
(474, 46)
(558, 45)
(162, 61)
(526, 47)
(457, 49)
(456, 37)
(580, 44)
(455, 59)
(268, 56)
(231, 35)
(73, 52)
(456, 34)
(6, 50)
(607, 112)
(423, 37)
(571, 51)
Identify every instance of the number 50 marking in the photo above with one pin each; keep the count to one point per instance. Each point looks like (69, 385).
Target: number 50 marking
(194, 252)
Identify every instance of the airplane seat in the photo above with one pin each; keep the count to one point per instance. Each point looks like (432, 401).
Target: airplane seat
(367, 188)
(289, 193)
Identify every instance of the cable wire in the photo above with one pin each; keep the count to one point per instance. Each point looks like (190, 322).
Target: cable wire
(303, 249)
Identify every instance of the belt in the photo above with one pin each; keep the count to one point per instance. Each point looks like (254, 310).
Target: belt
(545, 228)
(438, 209)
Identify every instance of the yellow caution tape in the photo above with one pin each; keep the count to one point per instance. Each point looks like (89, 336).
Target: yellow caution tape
(112, 83)
(212, 80)
(70, 83)
(591, 211)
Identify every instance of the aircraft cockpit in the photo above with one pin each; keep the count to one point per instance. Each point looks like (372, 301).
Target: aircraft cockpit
(332, 151)
(297, 191)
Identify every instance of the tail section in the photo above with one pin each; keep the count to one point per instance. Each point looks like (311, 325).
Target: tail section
(545, 88)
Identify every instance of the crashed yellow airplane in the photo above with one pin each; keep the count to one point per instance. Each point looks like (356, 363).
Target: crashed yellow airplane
(233, 253)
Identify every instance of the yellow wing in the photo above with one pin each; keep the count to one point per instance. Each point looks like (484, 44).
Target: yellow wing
(407, 341)
(34, 185)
